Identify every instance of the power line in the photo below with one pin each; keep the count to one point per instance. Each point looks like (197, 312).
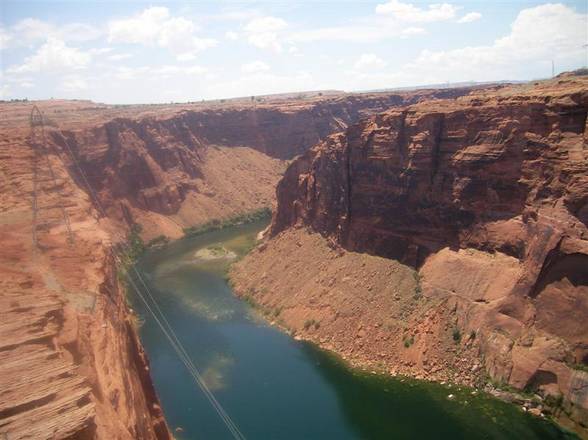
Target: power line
(39, 145)
(186, 360)
(161, 320)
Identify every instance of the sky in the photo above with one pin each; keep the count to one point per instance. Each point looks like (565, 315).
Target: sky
(137, 52)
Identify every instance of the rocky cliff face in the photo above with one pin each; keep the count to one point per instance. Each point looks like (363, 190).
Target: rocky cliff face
(160, 170)
(163, 171)
(71, 365)
(163, 175)
(288, 129)
(486, 197)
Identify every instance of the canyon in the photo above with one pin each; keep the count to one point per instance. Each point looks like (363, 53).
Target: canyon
(71, 364)
(445, 240)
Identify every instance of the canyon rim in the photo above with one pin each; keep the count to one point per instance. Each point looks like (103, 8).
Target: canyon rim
(293, 220)
(445, 240)
(66, 321)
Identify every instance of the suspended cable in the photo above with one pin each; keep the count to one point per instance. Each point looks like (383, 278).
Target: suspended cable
(160, 318)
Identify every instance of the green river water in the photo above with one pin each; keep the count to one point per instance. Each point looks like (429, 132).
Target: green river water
(275, 387)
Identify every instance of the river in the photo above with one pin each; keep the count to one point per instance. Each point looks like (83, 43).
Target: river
(275, 387)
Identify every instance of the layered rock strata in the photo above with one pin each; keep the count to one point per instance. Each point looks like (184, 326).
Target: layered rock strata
(173, 170)
(71, 365)
(485, 199)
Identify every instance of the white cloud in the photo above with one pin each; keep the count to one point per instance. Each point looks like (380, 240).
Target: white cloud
(369, 61)
(74, 84)
(230, 35)
(119, 56)
(100, 50)
(142, 28)
(538, 35)
(169, 71)
(53, 56)
(129, 73)
(261, 83)
(265, 24)
(233, 14)
(30, 31)
(410, 13)
(156, 27)
(264, 32)
(187, 56)
(411, 31)
(146, 73)
(26, 84)
(254, 66)
(5, 39)
(5, 91)
(469, 17)
(363, 30)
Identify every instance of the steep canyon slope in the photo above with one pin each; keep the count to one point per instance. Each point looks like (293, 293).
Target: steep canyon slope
(446, 240)
(70, 360)
(177, 168)
(71, 364)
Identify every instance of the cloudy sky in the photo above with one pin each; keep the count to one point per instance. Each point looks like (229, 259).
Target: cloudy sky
(135, 52)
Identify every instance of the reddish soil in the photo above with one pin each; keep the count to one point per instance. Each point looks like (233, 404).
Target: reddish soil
(70, 361)
(485, 199)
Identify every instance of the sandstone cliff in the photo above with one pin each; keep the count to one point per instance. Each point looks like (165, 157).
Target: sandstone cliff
(71, 365)
(177, 168)
(286, 129)
(70, 361)
(485, 200)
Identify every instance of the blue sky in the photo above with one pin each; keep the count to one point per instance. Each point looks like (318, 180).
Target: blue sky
(135, 52)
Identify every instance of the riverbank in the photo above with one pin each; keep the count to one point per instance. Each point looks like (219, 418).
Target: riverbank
(274, 386)
(372, 312)
(253, 216)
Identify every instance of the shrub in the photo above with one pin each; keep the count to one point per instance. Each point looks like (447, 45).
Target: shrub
(580, 367)
(130, 250)
(249, 300)
(408, 341)
(456, 334)
(473, 335)
(159, 241)
(241, 219)
(554, 402)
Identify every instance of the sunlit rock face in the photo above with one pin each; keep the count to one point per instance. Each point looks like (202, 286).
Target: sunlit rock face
(485, 195)
(196, 164)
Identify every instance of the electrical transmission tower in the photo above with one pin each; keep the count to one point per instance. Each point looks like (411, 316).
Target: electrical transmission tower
(45, 215)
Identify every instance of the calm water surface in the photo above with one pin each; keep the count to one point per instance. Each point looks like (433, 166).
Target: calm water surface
(277, 388)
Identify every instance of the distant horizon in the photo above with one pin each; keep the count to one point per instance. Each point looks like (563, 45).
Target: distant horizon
(298, 92)
(149, 53)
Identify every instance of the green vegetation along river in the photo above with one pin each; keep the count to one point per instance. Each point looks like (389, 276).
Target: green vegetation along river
(275, 387)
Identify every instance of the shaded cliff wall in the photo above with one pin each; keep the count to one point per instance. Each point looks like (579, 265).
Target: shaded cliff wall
(285, 131)
(465, 192)
(406, 183)
(155, 163)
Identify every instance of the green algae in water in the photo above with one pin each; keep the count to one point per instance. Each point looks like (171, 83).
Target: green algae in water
(275, 387)
(383, 407)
